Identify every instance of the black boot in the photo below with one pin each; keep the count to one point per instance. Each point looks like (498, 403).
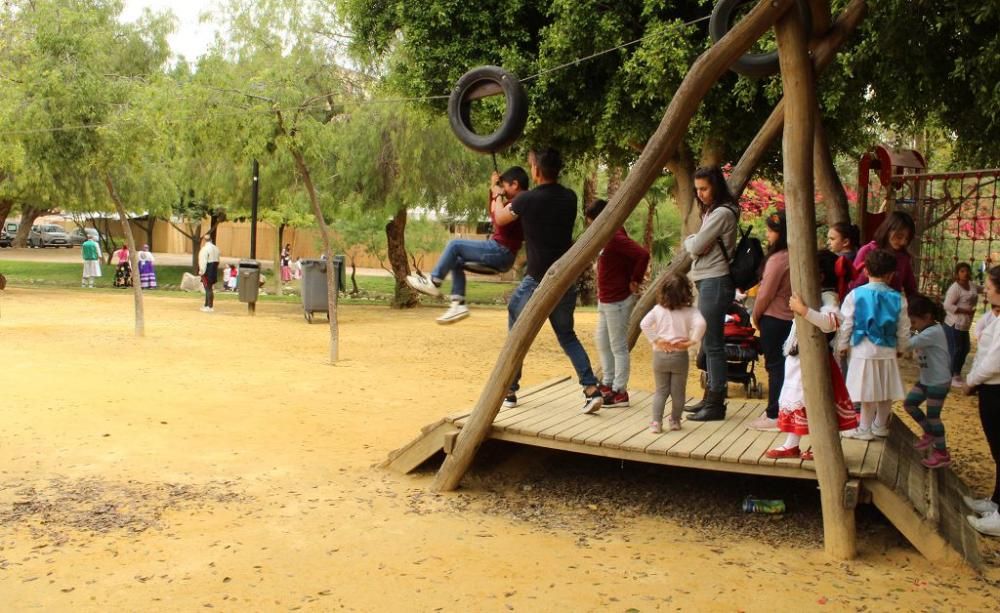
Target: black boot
(714, 409)
(694, 408)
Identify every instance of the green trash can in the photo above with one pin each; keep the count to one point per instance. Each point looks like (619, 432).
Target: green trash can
(248, 283)
(314, 298)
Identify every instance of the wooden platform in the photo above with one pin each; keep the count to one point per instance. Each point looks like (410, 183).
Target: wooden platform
(924, 505)
(549, 416)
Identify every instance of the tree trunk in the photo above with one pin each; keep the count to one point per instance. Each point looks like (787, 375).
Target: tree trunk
(133, 256)
(395, 233)
(586, 285)
(148, 229)
(682, 168)
(799, 82)
(324, 232)
(704, 73)
(713, 151)
(827, 180)
(5, 207)
(615, 174)
(195, 237)
(648, 231)
(28, 216)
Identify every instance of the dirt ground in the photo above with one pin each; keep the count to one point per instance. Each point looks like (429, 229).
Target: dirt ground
(220, 462)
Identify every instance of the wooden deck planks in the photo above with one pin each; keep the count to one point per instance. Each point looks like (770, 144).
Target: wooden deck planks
(550, 412)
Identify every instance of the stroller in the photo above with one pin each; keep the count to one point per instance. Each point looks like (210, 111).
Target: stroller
(742, 352)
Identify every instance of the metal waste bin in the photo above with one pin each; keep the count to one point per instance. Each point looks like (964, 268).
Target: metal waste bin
(314, 298)
(248, 284)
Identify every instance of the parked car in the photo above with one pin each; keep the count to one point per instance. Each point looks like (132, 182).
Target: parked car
(79, 235)
(6, 240)
(48, 235)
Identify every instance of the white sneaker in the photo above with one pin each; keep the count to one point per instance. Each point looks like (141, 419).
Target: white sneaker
(858, 433)
(983, 506)
(880, 431)
(988, 524)
(764, 424)
(455, 313)
(423, 285)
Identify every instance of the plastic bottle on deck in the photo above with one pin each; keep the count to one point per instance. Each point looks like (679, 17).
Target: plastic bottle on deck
(761, 505)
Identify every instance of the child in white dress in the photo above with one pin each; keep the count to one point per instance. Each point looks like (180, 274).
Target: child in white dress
(791, 403)
(876, 328)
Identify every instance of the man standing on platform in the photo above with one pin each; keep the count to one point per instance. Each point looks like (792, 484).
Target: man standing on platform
(547, 214)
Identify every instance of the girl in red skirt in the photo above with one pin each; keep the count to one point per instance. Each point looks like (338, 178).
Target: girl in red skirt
(791, 402)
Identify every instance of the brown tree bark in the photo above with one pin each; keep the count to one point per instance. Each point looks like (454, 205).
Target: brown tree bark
(682, 168)
(28, 216)
(827, 179)
(133, 256)
(587, 284)
(5, 207)
(799, 85)
(395, 233)
(705, 72)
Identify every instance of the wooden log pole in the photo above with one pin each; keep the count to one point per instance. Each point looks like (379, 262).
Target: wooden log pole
(704, 73)
(799, 85)
(823, 54)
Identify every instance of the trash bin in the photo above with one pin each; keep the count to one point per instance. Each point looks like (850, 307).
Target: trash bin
(314, 298)
(248, 285)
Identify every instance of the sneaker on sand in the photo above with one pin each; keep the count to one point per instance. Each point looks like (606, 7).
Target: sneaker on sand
(423, 285)
(764, 424)
(924, 442)
(988, 524)
(655, 428)
(455, 313)
(880, 431)
(510, 401)
(937, 459)
(592, 402)
(858, 433)
(983, 506)
(615, 399)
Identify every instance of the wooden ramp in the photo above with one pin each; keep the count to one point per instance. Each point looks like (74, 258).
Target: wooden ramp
(925, 505)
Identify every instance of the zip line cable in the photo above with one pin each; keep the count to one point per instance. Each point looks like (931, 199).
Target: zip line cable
(322, 97)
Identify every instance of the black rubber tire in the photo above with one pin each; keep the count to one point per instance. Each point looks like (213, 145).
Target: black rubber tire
(754, 65)
(514, 118)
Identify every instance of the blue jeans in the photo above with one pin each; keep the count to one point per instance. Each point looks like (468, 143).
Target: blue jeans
(612, 342)
(714, 297)
(561, 320)
(958, 347)
(460, 251)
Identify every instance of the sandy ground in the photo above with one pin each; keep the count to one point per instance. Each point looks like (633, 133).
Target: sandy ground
(220, 462)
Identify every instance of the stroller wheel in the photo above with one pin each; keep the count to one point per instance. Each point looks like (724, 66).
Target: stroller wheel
(756, 390)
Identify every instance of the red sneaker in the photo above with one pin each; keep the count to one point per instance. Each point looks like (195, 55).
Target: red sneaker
(778, 452)
(615, 399)
(937, 459)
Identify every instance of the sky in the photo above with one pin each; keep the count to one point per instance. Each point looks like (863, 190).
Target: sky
(191, 39)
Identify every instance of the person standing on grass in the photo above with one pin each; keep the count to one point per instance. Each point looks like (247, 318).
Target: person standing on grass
(960, 305)
(91, 253)
(147, 272)
(710, 249)
(984, 380)
(123, 274)
(547, 215)
(498, 252)
(208, 268)
(621, 268)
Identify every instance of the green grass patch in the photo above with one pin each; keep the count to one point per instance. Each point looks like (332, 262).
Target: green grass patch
(371, 289)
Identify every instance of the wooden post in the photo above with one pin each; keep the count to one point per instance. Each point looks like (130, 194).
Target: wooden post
(707, 69)
(823, 54)
(798, 82)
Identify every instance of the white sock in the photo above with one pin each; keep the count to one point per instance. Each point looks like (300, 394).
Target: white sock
(791, 441)
(867, 415)
(882, 413)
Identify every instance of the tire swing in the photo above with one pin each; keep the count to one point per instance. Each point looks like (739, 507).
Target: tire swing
(753, 65)
(482, 82)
